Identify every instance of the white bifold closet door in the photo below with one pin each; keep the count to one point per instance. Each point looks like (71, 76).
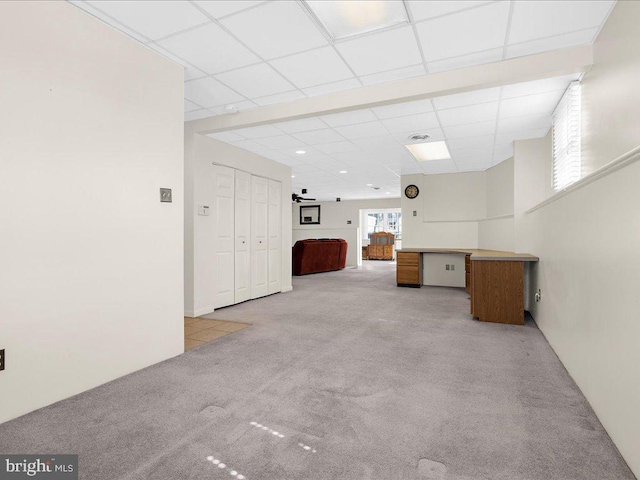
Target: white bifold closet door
(275, 241)
(243, 237)
(223, 222)
(259, 236)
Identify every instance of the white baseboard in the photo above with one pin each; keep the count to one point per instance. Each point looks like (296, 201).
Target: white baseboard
(197, 313)
(287, 289)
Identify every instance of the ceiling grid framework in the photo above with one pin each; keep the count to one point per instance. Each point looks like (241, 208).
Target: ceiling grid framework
(251, 54)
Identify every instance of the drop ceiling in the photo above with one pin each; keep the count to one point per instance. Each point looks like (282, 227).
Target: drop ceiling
(251, 54)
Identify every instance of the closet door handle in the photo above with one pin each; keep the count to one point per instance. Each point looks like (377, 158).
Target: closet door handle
(242, 241)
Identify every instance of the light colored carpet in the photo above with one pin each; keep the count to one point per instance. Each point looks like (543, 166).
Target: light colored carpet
(384, 383)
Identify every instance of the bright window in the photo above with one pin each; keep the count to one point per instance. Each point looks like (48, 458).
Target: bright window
(567, 164)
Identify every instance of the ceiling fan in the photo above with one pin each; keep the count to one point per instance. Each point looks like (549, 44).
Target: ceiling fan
(297, 198)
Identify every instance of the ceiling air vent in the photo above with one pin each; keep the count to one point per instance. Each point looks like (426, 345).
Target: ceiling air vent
(418, 136)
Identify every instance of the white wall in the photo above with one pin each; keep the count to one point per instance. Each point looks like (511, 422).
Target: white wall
(496, 232)
(334, 217)
(587, 240)
(200, 152)
(435, 223)
(91, 277)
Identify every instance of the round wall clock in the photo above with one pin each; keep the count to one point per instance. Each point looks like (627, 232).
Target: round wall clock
(411, 191)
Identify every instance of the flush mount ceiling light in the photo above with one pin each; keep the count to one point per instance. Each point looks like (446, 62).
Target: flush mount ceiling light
(301, 152)
(424, 152)
(343, 171)
(345, 19)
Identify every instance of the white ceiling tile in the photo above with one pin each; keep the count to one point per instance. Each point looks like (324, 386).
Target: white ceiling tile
(403, 109)
(153, 19)
(538, 86)
(503, 151)
(390, 76)
(421, 10)
(527, 122)
(372, 144)
(310, 152)
(315, 67)
(391, 49)
(332, 87)
(275, 29)
(465, 32)
(239, 107)
(581, 37)
(471, 60)
(279, 98)
(459, 144)
(208, 92)
(261, 131)
(255, 81)
(530, 104)
(470, 130)
(468, 98)
(417, 123)
(281, 142)
(190, 106)
(362, 130)
(303, 125)
(476, 153)
(435, 134)
(317, 137)
(533, 20)
(337, 147)
(438, 166)
(210, 49)
(226, 136)
(349, 118)
(221, 8)
(469, 114)
(197, 114)
(190, 72)
(520, 135)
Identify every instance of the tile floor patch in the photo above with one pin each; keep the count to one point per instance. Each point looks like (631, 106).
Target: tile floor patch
(431, 470)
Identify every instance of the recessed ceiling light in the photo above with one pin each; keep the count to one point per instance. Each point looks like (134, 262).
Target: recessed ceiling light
(343, 171)
(344, 19)
(301, 152)
(293, 176)
(369, 184)
(429, 151)
(388, 193)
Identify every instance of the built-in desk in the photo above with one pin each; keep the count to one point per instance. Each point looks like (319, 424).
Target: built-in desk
(494, 279)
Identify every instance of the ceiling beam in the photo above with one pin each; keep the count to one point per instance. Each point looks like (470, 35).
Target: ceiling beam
(516, 70)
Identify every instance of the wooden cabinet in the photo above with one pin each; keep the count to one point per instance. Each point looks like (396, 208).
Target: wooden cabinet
(409, 269)
(497, 291)
(381, 245)
(467, 274)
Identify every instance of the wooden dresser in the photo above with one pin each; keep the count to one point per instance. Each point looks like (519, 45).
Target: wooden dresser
(493, 279)
(381, 246)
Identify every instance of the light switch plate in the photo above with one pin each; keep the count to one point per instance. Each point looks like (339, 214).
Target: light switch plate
(165, 195)
(2, 359)
(203, 210)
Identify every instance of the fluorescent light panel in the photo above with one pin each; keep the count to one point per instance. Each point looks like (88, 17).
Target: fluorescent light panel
(424, 152)
(345, 19)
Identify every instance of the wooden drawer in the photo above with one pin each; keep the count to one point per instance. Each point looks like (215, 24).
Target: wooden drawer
(467, 263)
(408, 258)
(408, 275)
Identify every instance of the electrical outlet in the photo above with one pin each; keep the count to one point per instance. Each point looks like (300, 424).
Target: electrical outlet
(2, 359)
(453, 267)
(538, 296)
(446, 266)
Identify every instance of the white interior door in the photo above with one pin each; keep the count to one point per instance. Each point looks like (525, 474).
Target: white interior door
(243, 236)
(259, 236)
(275, 240)
(224, 212)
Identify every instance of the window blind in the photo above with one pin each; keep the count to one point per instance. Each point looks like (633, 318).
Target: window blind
(567, 163)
